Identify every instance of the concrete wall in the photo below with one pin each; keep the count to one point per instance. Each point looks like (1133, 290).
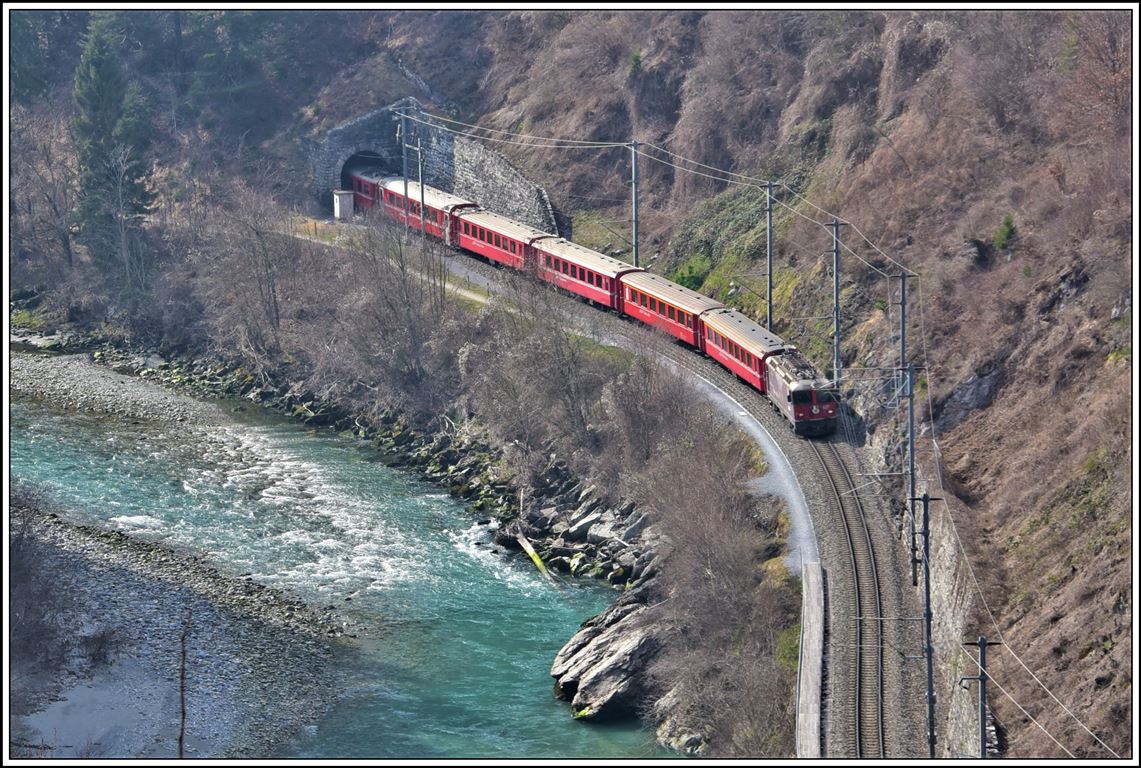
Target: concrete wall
(453, 163)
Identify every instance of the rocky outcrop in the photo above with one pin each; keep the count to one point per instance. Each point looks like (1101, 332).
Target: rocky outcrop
(978, 391)
(602, 669)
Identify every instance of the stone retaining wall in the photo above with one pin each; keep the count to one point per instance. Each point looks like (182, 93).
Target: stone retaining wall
(453, 163)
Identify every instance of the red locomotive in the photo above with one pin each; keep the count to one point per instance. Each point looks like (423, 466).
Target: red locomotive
(761, 359)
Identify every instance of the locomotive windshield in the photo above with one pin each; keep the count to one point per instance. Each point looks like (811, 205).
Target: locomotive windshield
(823, 397)
(801, 397)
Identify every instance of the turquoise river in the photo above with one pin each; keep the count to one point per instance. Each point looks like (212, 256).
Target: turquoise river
(457, 638)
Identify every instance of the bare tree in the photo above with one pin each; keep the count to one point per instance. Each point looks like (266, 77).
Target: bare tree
(43, 190)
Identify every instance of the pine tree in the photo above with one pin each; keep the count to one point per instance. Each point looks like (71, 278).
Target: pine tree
(110, 133)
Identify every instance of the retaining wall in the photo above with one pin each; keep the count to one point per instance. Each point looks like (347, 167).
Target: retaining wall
(453, 163)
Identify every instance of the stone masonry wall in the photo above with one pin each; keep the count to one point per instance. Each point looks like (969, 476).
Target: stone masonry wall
(453, 163)
(953, 607)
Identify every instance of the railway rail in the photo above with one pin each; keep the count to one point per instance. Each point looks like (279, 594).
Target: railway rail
(865, 737)
(859, 722)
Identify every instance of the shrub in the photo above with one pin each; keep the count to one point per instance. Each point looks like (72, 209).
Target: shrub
(1005, 233)
(635, 60)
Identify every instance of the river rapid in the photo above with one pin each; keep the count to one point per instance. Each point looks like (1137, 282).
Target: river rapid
(450, 639)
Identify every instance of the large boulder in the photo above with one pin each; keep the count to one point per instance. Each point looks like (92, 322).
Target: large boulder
(577, 532)
(602, 669)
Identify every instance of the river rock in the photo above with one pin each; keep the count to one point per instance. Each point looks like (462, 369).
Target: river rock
(602, 669)
(672, 731)
(578, 531)
(604, 530)
(634, 530)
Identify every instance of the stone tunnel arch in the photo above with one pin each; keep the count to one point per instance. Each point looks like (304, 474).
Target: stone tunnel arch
(366, 158)
(451, 163)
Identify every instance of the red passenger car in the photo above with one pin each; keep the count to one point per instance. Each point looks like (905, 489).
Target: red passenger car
(740, 345)
(664, 304)
(590, 274)
(497, 238)
(439, 207)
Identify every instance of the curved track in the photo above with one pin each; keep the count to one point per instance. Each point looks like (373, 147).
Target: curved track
(866, 736)
(854, 669)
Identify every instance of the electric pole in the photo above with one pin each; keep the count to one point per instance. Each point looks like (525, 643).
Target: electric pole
(911, 469)
(404, 162)
(769, 254)
(420, 179)
(927, 643)
(836, 224)
(981, 677)
(634, 198)
(902, 328)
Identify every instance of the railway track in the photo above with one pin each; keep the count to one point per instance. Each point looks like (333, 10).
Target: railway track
(854, 670)
(865, 737)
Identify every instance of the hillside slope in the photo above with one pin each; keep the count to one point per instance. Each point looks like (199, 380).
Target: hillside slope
(988, 152)
(925, 130)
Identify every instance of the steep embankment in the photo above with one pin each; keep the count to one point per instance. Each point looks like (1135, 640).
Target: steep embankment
(926, 131)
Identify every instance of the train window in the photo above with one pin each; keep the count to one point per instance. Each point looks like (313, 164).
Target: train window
(672, 315)
(467, 228)
(801, 397)
(513, 246)
(642, 299)
(823, 397)
(653, 305)
(495, 238)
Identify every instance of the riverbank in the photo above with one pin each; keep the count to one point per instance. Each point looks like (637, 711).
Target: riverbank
(258, 663)
(570, 526)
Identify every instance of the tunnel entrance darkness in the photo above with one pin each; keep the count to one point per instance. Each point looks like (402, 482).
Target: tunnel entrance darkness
(361, 161)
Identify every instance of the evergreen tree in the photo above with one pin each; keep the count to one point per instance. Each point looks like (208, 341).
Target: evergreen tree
(110, 133)
(25, 57)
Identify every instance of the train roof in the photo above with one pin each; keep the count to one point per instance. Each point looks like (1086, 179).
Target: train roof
(733, 325)
(501, 224)
(585, 257)
(795, 368)
(678, 295)
(433, 198)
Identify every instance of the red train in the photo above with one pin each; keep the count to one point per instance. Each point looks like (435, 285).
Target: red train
(775, 369)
